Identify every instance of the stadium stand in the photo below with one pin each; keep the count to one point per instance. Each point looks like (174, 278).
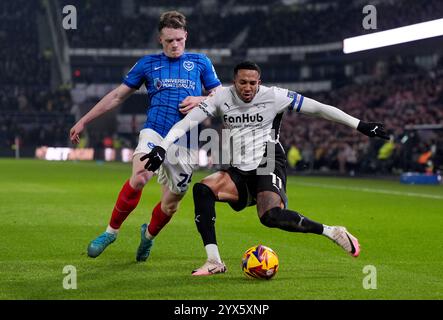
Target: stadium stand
(30, 108)
(104, 24)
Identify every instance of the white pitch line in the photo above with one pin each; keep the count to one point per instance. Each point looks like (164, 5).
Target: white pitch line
(382, 191)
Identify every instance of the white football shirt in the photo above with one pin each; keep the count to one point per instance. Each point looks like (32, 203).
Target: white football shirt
(251, 124)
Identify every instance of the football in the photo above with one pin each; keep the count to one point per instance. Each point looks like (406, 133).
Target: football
(260, 262)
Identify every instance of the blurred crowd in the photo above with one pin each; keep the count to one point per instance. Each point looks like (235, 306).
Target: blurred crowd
(20, 59)
(398, 101)
(103, 23)
(31, 113)
(34, 117)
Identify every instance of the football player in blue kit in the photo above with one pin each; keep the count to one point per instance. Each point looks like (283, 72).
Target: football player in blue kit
(174, 81)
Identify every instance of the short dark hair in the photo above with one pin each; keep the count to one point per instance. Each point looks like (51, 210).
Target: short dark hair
(172, 19)
(247, 65)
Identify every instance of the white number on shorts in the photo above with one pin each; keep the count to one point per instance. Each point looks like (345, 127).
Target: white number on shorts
(276, 181)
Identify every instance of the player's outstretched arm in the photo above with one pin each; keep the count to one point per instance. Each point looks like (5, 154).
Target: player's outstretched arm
(158, 153)
(112, 100)
(315, 108)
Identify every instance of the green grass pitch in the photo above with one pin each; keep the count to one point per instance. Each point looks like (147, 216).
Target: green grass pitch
(51, 210)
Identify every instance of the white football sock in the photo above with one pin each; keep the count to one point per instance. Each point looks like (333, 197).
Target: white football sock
(148, 235)
(327, 231)
(110, 229)
(212, 253)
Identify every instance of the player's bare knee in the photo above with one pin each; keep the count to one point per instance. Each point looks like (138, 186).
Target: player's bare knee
(139, 180)
(270, 217)
(169, 208)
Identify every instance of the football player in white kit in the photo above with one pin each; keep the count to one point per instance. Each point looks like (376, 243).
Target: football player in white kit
(253, 113)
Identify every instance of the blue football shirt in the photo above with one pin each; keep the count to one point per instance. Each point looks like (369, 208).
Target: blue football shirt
(168, 81)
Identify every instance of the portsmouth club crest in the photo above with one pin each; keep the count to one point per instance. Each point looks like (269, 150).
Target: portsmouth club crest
(188, 65)
(157, 83)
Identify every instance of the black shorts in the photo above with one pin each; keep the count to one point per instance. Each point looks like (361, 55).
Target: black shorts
(249, 183)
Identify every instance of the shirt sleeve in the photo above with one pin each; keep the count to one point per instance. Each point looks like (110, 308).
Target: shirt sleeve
(135, 77)
(209, 76)
(287, 99)
(315, 108)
